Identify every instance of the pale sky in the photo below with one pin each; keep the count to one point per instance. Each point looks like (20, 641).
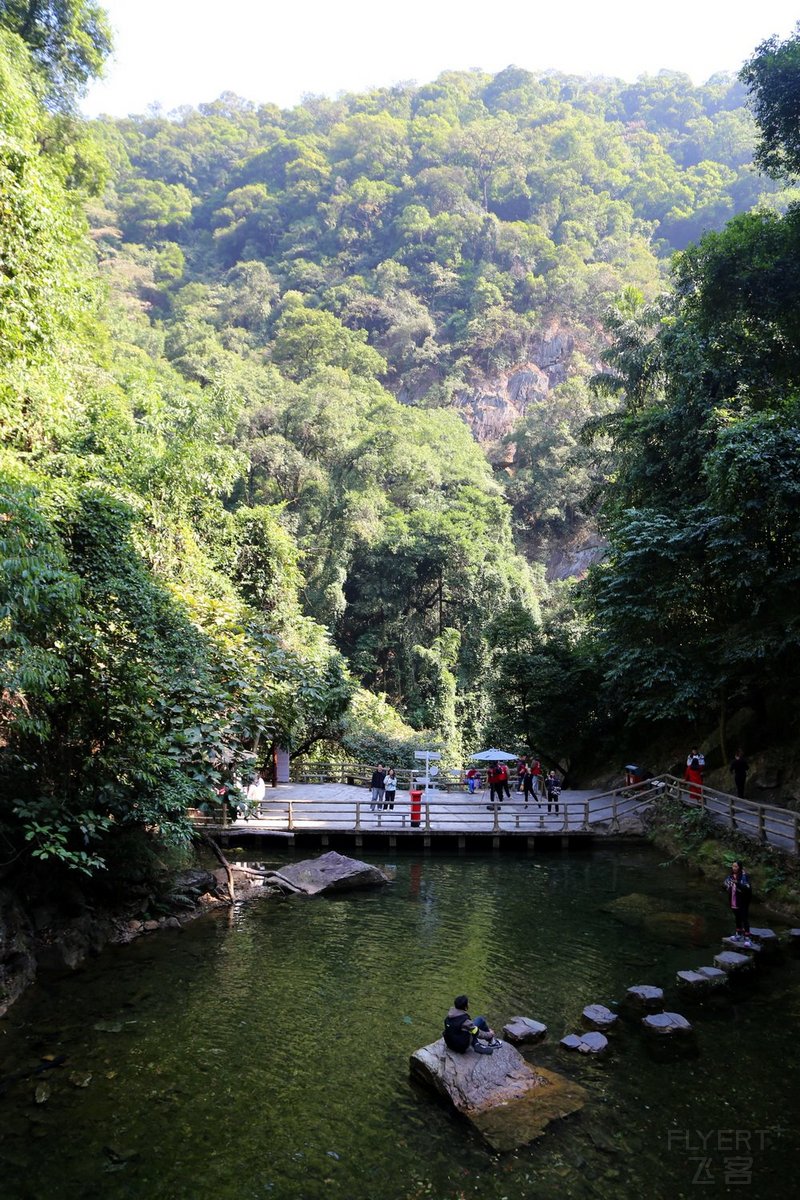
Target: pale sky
(176, 52)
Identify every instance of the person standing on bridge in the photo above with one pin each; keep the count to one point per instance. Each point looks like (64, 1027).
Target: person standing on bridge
(553, 785)
(376, 783)
(528, 785)
(389, 788)
(739, 768)
(694, 776)
(495, 778)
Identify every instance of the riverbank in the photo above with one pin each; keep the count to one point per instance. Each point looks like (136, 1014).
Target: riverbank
(687, 835)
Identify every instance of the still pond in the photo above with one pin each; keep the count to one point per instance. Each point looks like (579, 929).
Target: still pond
(262, 1054)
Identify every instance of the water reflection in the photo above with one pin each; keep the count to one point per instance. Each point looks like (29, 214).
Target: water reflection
(265, 1053)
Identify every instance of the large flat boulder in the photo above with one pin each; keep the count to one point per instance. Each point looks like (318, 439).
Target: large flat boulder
(330, 872)
(509, 1102)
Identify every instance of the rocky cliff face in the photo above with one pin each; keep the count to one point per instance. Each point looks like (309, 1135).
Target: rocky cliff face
(496, 404)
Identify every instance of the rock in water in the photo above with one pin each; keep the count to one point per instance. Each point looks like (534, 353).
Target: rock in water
(331, 872)
(597, 1016)
(585, 1043)
(644, 995)
(509, 1102)
(666, 1023)
(524, 1029)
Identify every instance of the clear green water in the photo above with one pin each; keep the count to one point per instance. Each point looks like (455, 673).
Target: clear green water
(264, 1054)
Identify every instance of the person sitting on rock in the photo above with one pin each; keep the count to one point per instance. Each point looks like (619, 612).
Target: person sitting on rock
(461, 1032)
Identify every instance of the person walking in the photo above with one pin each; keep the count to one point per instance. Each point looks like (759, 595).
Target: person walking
(553, 785)
(538, 779)
(376, 783)
(503, 769)
(389, 788)
(495, 777)
(739, 768)
(740, 891)
(527, 786)
(694, 777)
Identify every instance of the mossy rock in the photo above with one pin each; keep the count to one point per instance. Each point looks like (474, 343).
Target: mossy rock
(677, 928)
(635, 908)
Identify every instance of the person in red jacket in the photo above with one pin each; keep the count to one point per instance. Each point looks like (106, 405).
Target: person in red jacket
(503, 769)
(495, 778)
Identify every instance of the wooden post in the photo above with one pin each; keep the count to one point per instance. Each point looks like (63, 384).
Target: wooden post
(427, 815)
(291, 817)
(586, 816)
(614, 814)
(496, 825)
(732, 812)
(761, 834)
(358, 815)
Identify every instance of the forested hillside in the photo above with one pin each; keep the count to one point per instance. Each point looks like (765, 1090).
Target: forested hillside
(251, 493)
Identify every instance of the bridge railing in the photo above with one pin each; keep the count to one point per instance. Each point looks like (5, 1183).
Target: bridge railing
(359, 774)
(438, 812)
(442, 811)
(765, 823)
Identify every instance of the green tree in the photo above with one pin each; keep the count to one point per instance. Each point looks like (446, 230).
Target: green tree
(772, 76)
(69, 39)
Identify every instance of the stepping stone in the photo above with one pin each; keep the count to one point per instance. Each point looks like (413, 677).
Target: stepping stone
(733, 963)
(666, 1023)
(717, 977)
(704, 979)
(585, 1043)
(767, 939)
(645, 996)
(599, 1016)
(524, 1029)
(741, 948)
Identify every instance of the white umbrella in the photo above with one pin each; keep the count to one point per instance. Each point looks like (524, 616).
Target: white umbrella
(492, 756)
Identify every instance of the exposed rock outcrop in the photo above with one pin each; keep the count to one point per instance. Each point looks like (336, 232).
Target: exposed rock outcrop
(495, 404)
(508, 1101)
(331, 872)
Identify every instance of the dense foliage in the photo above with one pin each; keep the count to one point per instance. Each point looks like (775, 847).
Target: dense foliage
(695, 606)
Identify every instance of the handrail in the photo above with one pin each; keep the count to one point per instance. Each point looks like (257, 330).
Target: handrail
(467, 813)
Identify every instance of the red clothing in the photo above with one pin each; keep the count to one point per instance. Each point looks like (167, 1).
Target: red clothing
(695, 781)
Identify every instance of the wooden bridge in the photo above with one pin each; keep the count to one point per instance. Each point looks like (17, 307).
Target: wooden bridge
(335, 813)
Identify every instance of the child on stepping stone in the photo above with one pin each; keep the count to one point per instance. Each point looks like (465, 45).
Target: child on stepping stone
(739, 892)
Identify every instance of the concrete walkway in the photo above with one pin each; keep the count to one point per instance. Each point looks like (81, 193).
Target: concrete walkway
(332, 806)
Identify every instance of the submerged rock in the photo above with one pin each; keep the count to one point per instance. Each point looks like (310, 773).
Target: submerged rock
(508, 1101)
(331, 872)
(524, 1029)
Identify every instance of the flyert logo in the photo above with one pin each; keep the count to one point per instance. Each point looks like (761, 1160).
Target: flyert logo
(727, 1156)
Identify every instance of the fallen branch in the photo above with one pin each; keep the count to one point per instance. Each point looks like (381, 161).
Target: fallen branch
(223, 861)
(273, 877)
